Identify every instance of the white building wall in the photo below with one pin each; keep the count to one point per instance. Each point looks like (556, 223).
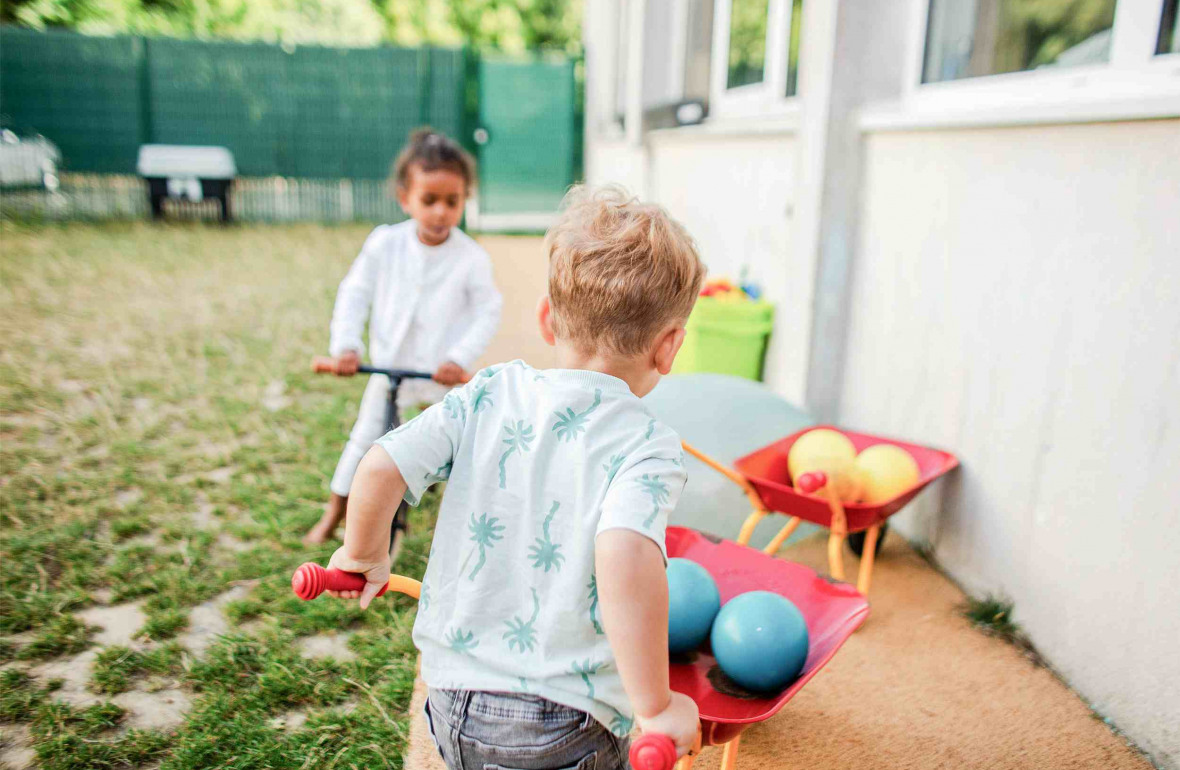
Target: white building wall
(735, 194)
(1016, 299)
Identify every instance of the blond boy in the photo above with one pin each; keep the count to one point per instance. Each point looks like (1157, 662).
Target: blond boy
(543, 618)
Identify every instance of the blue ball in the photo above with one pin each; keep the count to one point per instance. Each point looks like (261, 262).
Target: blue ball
(693, 602)
(760, 641)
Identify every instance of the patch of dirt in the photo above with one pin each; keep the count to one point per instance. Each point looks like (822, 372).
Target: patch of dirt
(119, 623)
(291, 720)
(274, 398)
(71, 386)
(202, 516)
(218, 476)
(125, 498)
(231, 543)
(326, 646)
(102, 595)
(206, 622)
(16, 751)
(141, 404)
(158, 710)
(75, 675)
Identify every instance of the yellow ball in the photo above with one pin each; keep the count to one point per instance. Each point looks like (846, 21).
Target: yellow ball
(829, 451)
(886, 471)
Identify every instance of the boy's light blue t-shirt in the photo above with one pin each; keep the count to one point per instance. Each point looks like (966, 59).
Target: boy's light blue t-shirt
(538, 463)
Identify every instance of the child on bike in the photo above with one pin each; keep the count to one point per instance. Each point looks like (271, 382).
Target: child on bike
(426, 290)
(543, 617)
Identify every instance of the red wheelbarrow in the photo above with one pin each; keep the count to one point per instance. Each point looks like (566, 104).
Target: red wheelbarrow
(833, 610)
(763, 476)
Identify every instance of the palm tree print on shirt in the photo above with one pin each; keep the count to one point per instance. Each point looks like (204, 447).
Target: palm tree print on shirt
(484, 533)
(460, 642)
(586, 669)
(517, 439)
(521, 633)
(651, 426)
(594, 603)
(545, 553)
(442, 474)
(481, 400)
(424, 599)
(572, 424)
(621, 725)
(612, 466)
(454, 406)
(658, 491)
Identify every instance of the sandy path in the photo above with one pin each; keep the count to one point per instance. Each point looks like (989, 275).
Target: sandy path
(916, 687)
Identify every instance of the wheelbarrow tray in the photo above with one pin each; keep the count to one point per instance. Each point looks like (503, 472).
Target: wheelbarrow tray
(766, 470)
(832, 610)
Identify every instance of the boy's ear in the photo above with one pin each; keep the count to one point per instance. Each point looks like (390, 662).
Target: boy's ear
(667, 346)
(403, 197)
(545, 320)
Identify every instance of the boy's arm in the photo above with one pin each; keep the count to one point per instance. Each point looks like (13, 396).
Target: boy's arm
(486, 303)
(353, 300)
(377, 489)
(633, 596)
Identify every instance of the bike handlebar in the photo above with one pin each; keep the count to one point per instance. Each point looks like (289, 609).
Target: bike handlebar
(327, 365)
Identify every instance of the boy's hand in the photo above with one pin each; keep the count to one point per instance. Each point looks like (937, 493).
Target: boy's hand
(680, 721)
(376, 575)
(347, 363)
(450, 373)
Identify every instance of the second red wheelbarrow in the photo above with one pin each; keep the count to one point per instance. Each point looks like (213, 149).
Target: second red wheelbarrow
(768, 485)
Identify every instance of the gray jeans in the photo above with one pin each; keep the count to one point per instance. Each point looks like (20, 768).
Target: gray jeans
(509, 731)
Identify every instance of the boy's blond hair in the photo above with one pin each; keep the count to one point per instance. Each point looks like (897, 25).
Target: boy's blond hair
(620, 271)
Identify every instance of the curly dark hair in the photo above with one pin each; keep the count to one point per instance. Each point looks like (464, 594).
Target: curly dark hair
(432, 150)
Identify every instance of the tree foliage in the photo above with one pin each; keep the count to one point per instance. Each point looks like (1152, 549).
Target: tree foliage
(509, 25)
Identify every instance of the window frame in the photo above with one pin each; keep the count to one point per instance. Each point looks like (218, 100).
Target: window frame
(1134, 72)
(767, 98)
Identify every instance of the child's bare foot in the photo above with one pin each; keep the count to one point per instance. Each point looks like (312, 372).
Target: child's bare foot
(325, 528)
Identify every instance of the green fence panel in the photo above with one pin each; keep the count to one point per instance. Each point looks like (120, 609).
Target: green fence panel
(82, 93)
(527, 108)
(329, 120)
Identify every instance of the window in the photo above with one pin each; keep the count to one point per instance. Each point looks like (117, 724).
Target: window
(755, 56)
(969, 38)
(747, 42)
(793, 47)
(1169, 36)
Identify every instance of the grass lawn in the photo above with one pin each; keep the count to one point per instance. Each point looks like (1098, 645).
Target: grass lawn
(163, 447)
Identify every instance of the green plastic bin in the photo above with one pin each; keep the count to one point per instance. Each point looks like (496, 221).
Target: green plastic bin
(726, 337)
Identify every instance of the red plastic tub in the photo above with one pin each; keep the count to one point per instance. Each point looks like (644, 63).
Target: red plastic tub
(833, 610)
(766, 470)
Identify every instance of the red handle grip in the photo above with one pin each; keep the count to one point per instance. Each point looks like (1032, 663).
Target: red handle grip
(652, 751)
(311, 580)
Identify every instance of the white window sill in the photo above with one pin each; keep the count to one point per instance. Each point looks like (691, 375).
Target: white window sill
(784, 123)
(902, 118)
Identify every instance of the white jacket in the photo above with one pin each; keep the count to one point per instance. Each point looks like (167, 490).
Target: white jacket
(425, 304)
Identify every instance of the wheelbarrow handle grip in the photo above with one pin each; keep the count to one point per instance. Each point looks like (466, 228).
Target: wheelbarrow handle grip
(652, 751)
(311, 580)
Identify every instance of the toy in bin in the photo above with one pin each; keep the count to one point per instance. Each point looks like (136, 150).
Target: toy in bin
(830, 612)
(846, 481)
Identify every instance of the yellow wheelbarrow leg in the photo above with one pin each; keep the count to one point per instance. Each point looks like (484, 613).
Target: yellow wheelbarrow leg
(729, 754)
(788, 529)
(868, 556)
